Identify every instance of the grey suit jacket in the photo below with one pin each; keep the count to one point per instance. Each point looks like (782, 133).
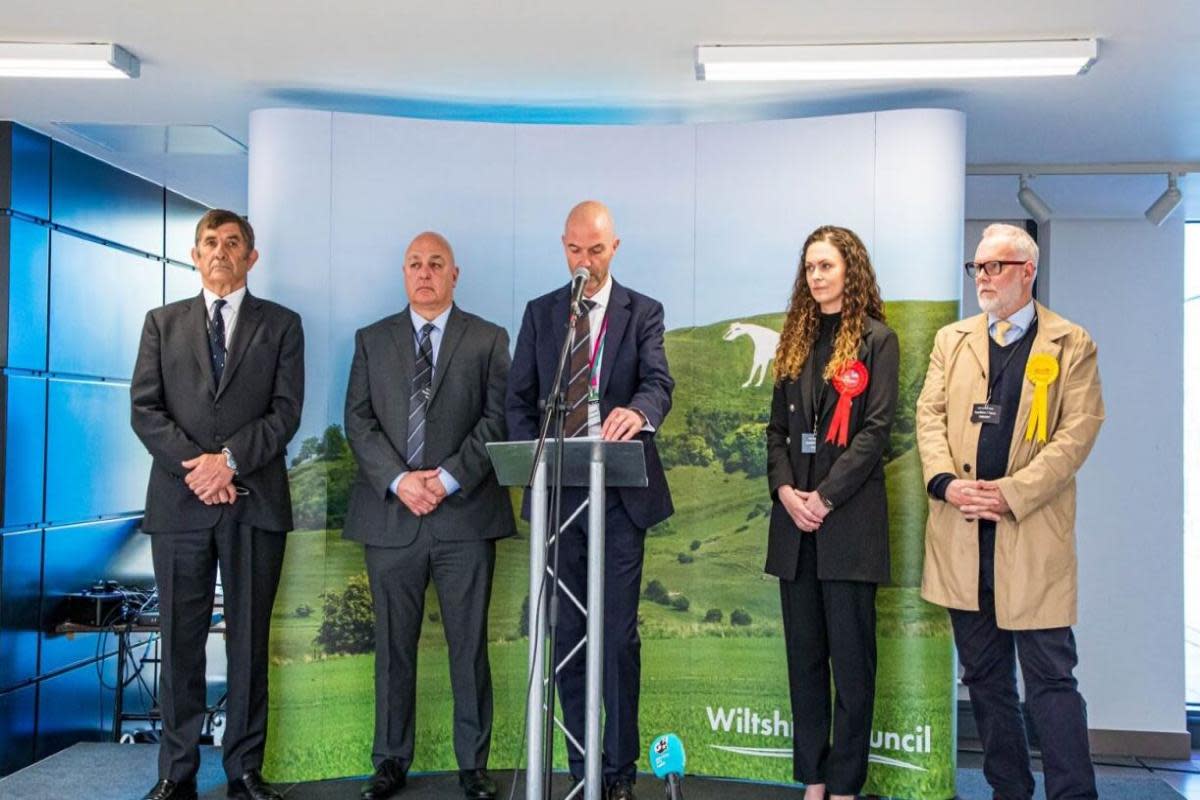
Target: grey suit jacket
(465, 411)
(179, 413)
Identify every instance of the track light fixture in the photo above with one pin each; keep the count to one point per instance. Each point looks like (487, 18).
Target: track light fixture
(1166, 203)
(1031, 202)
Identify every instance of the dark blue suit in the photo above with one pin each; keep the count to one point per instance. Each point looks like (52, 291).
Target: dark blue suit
(633, 374)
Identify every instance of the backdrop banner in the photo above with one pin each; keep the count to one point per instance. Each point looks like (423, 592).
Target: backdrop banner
(711, 219)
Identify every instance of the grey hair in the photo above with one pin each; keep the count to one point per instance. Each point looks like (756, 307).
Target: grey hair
(1017, 238)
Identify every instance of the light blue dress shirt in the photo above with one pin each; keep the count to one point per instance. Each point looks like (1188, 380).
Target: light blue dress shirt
(449, 483)
(1020, 321)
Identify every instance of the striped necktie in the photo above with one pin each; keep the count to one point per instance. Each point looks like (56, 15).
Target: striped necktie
(216, 340)
(1001, 334)
(418, 401)
(577, 387)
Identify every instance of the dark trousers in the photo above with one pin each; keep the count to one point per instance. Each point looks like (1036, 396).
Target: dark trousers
(989, 656)
(624, 544)
(462, 576)
(829, 623)
(185, 568)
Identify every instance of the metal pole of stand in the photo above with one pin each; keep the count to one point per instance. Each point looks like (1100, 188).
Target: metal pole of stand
(534, 789)
(593, 746)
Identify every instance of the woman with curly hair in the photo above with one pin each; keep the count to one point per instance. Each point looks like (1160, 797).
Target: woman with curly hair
(836, 381)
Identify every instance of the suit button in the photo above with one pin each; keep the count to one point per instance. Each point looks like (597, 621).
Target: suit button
(789, 440)
(792, 407)
(966, 467)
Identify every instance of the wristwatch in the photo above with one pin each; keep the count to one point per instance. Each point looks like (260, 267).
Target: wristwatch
(229, 460)
(828, 503)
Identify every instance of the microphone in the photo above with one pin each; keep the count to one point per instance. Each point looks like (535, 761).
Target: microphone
(578, 281)
(667, 759)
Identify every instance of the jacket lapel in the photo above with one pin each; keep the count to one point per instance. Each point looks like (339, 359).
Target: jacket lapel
(455, 327)
(248, 317)
(197, 321)
(618, 322)
(406, 356)
(1051, 328)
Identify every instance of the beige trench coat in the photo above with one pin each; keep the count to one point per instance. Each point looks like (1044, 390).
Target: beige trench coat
(1035, 563)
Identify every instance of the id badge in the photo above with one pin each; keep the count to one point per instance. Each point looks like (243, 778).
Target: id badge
(985, 413)
(808, 443)
(593, 395)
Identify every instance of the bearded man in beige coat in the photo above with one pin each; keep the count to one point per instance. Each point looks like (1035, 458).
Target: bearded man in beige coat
(1010, 409)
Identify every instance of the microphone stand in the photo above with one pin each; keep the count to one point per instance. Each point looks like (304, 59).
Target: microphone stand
(556, 413)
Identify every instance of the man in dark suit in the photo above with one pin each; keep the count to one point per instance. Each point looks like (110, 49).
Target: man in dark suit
(216, 396)
(426, 395)
(620, 388)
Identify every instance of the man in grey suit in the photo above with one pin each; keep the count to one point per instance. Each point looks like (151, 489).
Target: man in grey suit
(216, 396)
(426, 394)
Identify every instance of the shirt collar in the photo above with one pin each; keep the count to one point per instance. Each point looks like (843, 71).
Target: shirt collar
(1021, 319)
(601, 297)
(233, 300)
(439, 322)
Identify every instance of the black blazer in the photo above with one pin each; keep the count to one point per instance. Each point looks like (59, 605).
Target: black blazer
(852, 542)
(465, 411)
(179, 414)
(634, 374)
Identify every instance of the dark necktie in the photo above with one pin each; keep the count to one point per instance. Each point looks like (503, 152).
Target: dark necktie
(216, 340)
(419, 399)
(578, 384)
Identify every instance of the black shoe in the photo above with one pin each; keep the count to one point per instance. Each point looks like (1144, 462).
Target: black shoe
(390, 777)
(251, 786)
(476, 784)
(621, 789)
(170, 790)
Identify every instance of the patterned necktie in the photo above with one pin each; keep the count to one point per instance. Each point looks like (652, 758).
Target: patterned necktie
(1000, 337)
(577, 386)
(418, 401)
(216, 341)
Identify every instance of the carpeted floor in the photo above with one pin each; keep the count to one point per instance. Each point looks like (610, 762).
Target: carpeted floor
(126, 771)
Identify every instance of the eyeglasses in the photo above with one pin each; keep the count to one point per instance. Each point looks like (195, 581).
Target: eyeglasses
(990, 268)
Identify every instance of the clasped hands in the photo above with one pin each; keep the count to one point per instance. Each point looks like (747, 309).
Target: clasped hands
(977, 499)
(421, 490)
(210, 479)
(805, 508)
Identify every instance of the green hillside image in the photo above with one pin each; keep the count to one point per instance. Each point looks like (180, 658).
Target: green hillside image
(713, 663)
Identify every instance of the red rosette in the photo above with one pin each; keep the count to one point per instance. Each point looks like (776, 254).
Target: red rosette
(849, 384)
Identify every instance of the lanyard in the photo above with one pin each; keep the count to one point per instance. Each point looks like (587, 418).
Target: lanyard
(596, 361)
(994, 380)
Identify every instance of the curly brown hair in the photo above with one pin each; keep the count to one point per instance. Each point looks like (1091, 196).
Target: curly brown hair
(859, 301)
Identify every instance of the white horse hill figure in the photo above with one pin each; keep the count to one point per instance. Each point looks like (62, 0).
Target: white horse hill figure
(765, 341)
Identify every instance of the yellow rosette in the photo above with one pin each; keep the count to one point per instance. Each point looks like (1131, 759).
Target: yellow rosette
(1041, 370)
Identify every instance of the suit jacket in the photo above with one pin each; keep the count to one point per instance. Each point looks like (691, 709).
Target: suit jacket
(852, 542)
(633, 374)
(464, 413)
(179, 414)
(1035, 567)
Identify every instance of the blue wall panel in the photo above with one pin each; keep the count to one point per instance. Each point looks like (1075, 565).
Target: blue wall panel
(101, 200)
(180, 283)
(20, 599)
(94, 330)
(24, 448)
(26, 260)
(29, 189)
(16, 728)
(95, 466)
(182, 216)
(71, 709)
(76, 556)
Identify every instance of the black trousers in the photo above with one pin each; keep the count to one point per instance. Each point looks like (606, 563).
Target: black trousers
(462, 576)
(185, 568)
(624, 545)
(829, 624)
(989, 656)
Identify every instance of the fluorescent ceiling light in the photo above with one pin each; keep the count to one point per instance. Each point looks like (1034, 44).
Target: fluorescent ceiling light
(874, 62)
(36, 60)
